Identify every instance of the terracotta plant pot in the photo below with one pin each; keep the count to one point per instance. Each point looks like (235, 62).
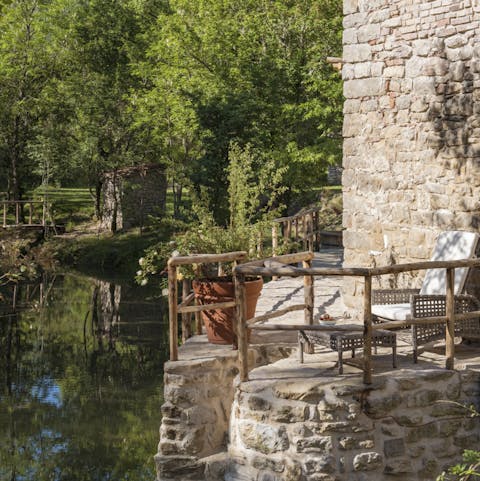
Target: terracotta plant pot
(219, 323)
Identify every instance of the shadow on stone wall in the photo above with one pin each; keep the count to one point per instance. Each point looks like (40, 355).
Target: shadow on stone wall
(456, 123)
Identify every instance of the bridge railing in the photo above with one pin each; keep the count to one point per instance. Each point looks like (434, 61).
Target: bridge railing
(302, 228)
(24, 213)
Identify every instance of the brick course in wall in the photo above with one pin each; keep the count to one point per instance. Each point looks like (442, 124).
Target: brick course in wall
(412, 127)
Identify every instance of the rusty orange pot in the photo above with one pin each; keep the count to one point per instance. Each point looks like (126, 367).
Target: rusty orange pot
(219, 322)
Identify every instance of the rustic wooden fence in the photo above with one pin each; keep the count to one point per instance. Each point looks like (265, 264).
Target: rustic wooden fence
(276, 267)
(185, 308)
(28, 213)
(302, 228)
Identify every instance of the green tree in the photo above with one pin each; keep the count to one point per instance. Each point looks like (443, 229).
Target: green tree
(253, 72)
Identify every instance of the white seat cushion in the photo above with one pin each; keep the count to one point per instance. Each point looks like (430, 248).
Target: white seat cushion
(395, 312)
(450, 246)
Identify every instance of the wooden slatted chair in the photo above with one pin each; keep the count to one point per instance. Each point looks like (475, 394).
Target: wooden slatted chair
(406, 307)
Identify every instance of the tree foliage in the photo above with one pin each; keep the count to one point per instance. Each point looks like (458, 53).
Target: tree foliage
(88, 86)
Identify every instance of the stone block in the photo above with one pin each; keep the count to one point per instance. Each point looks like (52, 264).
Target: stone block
(271, 464)
(315, 444)
(367, 461)
(456, 41)
(289, 414)
(318, 464)
(350, 6)
(418, 433)
(350, 36)
(357, 53)
(394, 71)
(424, 86)
(364, 88)
(368, 32)
(394, 447)
(263, 437)
(398, 467)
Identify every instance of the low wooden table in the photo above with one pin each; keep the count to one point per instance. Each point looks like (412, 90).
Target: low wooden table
(341, 341)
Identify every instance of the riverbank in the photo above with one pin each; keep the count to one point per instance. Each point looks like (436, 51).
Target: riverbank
(84, 249)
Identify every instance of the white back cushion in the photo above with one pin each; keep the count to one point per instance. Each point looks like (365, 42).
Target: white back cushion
(450, 246)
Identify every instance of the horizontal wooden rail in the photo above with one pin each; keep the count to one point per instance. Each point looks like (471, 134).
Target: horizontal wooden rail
(207, 258)
(303, 327)
(251, 270)
(186, 301)
(23, 213)
(420, 266)
(278, 313)
(206, 307)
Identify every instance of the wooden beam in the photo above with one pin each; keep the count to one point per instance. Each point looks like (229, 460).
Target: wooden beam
(240, 295)
(277, 313)
(450, 311)
(367, 331)
(186, 300)
(172, 311)
(206, 307)
(187, 297)
(309, 294)
(207, 258)
(249, 270)
(303, 327)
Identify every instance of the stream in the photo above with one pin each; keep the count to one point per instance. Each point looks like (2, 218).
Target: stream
(81, 369)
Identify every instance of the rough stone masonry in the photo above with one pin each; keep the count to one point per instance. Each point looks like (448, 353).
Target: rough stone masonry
(412, 127)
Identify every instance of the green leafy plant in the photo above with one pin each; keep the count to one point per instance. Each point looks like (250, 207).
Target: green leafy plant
(254, 190)
(469, 469)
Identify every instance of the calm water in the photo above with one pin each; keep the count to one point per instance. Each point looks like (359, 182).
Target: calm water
(81, 381)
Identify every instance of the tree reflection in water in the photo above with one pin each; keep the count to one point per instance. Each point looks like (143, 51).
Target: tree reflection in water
(81, 381)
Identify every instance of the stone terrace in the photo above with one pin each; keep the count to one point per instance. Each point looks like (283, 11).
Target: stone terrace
(295, 421)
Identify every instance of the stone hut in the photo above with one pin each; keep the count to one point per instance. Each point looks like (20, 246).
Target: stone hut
(411, 71)
(130, 195)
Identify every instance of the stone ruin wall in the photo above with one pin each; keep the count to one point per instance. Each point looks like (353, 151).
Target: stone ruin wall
(131, 196)
(411, 128)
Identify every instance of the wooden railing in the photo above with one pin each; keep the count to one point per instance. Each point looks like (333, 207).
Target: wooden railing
(24, 212)
(303, 228)
(277, 267)
(185, 308)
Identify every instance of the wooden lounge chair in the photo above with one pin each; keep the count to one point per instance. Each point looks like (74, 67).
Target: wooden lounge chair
(406, 307)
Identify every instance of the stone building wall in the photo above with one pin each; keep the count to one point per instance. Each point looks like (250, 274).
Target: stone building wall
(131, 195)
(411, 129)
(407, 426)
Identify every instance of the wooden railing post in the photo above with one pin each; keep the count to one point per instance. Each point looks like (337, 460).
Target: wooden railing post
(186, 316)
(274, 239)
(309, 293)
(317, 230)
(172, 310)
(30, 213)
(241, 311)
(450, 313)
(367, 331)
(4, 214)
(309, 297)
(17, 213)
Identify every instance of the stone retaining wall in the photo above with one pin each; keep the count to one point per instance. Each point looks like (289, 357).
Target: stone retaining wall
(198, 397)
(411, 128)
(407, 426)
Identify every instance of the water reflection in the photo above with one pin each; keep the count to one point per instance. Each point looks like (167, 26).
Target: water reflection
(81, 372)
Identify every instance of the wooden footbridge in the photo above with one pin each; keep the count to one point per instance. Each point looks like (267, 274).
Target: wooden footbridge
(33, 214)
